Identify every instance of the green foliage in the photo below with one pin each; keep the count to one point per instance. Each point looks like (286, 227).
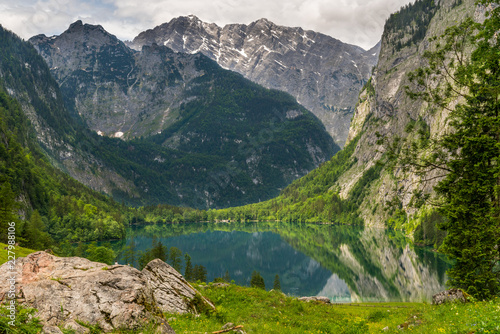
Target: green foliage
(157, 251)
(20, 252)
(24, 321)
(200, 273)
(223, 121)
(100, 254)
(361, 188)
(175, 258)
(409, 25)
(8, 206)
(369, 88)
(469, 154)
(188, 271)
(312, 198)
(428, 232)
(277, 284)
(227, 277)
(59, 207)
(272, 312)
(257, 281)
(259, 311)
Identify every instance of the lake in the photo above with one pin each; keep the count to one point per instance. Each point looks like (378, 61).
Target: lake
(344, 263)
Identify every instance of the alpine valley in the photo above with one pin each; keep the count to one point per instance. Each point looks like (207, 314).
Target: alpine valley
(193, 133)
(224, 143)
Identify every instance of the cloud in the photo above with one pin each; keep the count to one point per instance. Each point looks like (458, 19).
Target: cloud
(357, 22)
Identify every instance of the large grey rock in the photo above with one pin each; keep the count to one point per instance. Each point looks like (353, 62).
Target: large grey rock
(64, 290)
(448, 296)
(319, 299)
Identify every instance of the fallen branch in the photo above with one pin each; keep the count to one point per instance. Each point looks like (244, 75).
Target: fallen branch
(228, 330)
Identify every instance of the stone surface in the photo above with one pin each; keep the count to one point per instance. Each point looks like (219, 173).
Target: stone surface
(320, 299)
(448, 296)
(51, 330)
(67, 289)
(73, 325)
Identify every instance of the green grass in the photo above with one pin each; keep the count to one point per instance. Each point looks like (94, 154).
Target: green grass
(19, 252)
(272, 312)
(259, 311)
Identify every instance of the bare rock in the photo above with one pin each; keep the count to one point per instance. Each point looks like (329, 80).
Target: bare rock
(324, 300)
(164, 328)
(169, 289)
(77, 328)
(51, 330)
(64, 290)
(447, 296)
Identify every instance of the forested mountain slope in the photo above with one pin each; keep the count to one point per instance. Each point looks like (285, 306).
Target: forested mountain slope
(359, 183)
(228, 141)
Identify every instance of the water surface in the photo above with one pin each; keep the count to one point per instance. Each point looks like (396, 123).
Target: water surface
(344, 263)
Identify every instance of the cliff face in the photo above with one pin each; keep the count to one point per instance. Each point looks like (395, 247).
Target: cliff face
(322, 73)
(385, 111)
(25, 77)
(116, 91)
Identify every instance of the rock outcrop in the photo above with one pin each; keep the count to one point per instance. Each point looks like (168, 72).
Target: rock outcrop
(448, 296)
(70, 290)
(318, 299)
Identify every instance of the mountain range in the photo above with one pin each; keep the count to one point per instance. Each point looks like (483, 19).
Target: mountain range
(324, 74)
(197, 135)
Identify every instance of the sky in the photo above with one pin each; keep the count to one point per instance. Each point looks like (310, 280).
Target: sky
(358, 22)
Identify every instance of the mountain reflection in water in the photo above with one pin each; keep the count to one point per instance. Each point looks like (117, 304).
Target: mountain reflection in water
(344, 263)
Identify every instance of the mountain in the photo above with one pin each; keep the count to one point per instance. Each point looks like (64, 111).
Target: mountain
(322, 73)
(193, 133)
(45, 204)
(359, 184)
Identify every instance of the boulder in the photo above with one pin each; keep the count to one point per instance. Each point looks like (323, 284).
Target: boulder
(447, 296)
(64, 290)
(319, 299)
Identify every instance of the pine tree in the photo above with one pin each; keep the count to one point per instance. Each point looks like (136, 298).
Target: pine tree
(176, 258)
(159, 251)
(257, 281)
(227, 277)
(129, 255)
(277, 284)
(200, 273)
(188, 271)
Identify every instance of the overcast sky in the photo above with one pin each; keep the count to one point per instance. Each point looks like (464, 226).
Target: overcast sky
(358, 22)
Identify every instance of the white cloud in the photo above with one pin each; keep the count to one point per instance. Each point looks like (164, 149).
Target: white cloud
(357, 22)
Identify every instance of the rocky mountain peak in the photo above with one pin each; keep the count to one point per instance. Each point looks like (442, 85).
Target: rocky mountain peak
(322, 73)
(91, 31)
